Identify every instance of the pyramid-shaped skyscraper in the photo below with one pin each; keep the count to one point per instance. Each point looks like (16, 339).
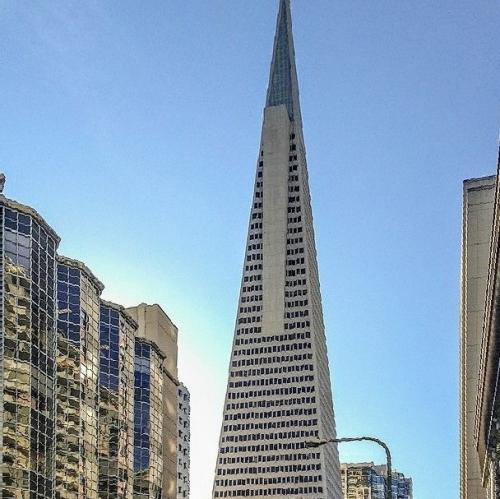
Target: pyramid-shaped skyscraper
(279, 393)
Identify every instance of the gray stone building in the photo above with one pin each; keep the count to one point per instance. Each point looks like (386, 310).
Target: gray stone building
(279, 393)
(478, 204)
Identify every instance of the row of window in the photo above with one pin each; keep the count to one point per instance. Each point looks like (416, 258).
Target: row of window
(279, 347)
(297, 411)
(279, 338)
(268, 425)
(270, 360)
(238, 406)
(271, 458)
(282, 435)
(269, 381)
(266, 371)
(293, 390)
(259, 470)
(274, 492)
(251, 298)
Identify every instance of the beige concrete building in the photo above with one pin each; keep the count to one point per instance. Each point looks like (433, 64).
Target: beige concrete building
(479, 195)
(279, 393)
(155, 326)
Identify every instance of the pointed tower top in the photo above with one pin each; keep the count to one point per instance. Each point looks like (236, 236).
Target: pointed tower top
(283, 83)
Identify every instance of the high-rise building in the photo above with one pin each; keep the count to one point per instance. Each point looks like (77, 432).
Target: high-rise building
(361, 481)
(148, 420)
(478, 203)
(116, 402)
(367, 481)
(27, 352)
(78, 301)
(74, 370)
(279, 394)
(155, 326)
(183, 441)
(402, 487)
(487, 416)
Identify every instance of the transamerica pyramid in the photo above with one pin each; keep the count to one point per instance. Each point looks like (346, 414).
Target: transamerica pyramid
(279, 393)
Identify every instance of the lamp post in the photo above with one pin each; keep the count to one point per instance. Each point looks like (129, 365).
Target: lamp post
(320, 443)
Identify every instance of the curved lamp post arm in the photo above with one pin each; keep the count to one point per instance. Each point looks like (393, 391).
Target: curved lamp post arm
(320, 443)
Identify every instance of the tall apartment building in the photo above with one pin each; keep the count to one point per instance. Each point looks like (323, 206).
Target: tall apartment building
(116, 402)
(279, 394)
(478, 204)
(78, 301)
(155, 326)
(183, 441)
(27, 352)
(367, 481)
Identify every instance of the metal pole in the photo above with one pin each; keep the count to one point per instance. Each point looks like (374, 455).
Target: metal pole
(388, 492)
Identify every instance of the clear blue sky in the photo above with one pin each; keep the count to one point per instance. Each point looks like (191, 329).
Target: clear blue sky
(133, 127)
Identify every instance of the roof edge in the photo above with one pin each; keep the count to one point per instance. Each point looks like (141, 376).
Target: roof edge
(28, 210)
(72, 262)
(122, 310)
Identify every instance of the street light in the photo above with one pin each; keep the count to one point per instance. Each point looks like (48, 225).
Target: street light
(320, 443)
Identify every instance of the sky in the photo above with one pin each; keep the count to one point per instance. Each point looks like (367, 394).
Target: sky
(134, 128)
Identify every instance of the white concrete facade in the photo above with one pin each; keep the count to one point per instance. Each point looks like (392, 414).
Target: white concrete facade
(478, 205)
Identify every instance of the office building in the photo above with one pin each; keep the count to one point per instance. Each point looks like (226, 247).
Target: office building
(148, 420)
(74, 370)
(116, 402)
(278, 393)
(27, 352)
(183, 441)
(368, 481)
(78, 301)
(402, 487)
(478, 203)
(154, 325)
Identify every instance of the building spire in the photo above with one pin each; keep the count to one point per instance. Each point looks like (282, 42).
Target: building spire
(283, 83)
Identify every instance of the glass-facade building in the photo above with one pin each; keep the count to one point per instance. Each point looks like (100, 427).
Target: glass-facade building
(27, 353)
(148, 424)
(73, 374)
(116, 403)
(78, 302)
